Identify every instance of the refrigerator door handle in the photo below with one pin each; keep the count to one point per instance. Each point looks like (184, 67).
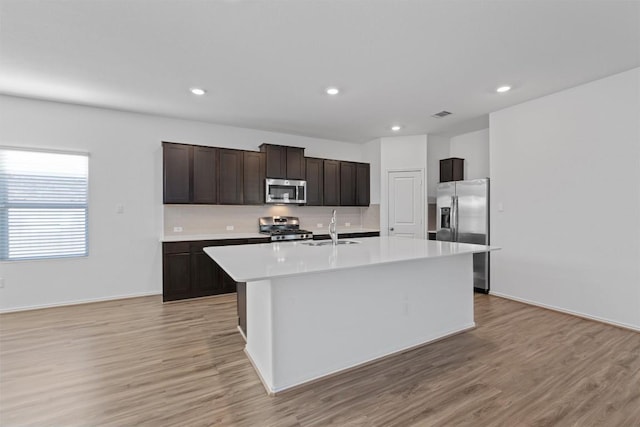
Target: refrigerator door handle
(454, 218)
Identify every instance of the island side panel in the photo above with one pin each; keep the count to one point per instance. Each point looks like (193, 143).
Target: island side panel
(260, 328)
(327, 322)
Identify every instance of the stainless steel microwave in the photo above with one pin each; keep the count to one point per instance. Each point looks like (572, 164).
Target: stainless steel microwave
(287, 191)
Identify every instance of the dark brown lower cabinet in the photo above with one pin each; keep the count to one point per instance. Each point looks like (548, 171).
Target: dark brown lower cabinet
(188, 272)
(205, 273)
(176, 271)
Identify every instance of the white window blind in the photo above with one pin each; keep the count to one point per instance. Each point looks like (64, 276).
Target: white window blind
(43, 204)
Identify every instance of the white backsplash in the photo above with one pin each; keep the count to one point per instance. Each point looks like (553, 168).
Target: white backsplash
(213, 219)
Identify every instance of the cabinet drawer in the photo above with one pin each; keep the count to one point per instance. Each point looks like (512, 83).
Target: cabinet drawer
(175, 247)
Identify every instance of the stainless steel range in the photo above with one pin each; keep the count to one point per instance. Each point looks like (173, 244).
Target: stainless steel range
(283, 228)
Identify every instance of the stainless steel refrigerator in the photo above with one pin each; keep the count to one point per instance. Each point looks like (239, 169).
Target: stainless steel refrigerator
(463, 216)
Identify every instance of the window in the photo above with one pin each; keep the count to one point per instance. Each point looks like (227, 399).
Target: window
(43, 204)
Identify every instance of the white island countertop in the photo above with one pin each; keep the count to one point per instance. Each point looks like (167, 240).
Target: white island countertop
(247, 263)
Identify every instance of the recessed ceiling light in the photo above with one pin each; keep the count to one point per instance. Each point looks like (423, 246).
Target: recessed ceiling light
(396, 128)
(333, 90)
(503, 89)
(197, 91)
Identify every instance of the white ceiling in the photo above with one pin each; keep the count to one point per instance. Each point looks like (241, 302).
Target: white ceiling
(266, 64)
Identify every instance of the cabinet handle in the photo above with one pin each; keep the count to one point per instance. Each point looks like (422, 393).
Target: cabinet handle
(391, 229)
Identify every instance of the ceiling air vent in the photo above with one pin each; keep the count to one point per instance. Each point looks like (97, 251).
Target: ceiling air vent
(441, 114)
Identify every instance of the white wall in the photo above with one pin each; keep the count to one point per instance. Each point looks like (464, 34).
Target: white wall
(125, 168)
(473, 147)
(566, 169)
(438, 148)
(401, 152)
(372, 156)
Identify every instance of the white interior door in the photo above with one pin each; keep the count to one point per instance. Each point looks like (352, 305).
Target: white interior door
(406, 204)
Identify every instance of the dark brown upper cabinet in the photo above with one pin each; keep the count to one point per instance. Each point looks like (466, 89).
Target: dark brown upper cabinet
(189, 174)
(363, 190)
(254, 175)
(284, 162)
(230, 178)
(211, 175)
(276, 160)
(295, 163)
(331, 183)
(205, 175)
(451, 169)
(176, 171)
(315, 181)
(347, 184)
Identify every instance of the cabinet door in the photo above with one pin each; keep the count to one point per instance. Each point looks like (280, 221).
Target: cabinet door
(176, 277)
(205, 275)
(315, 181)
(331, 180)
(276, 160)
(451, 169)
(205, 173)
(254, 175)
(230, 178)
(363, 192)
(347, 184)
(295, 163)
(228, 284)
(176, 159)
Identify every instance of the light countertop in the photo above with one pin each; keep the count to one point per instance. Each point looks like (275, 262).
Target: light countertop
(219, 236)
(232, 235)
(343, 230)
(246, 263)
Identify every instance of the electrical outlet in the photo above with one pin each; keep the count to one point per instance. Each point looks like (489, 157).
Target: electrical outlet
(319, 225)
(347, 224)
(229, 227)
(119, 209)
(1, 282)
(177, 229)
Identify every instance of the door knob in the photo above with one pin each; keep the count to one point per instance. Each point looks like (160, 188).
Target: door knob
(391, 229)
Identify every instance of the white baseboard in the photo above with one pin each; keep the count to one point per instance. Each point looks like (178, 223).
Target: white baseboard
(80, 301)
(565, 311)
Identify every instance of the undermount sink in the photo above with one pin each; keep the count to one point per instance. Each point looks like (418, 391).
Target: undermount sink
(329, 242)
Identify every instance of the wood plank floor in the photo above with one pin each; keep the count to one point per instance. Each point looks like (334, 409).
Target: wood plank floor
(139, 362)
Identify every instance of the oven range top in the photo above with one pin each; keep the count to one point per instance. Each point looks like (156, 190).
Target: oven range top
(283, 228)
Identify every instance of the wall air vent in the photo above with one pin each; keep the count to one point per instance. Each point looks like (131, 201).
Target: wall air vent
(441, 114)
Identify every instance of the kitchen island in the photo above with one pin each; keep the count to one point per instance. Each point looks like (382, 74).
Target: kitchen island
(315, 310)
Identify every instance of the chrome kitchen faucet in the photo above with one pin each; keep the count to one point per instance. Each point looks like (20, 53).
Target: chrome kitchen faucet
(332, 228)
